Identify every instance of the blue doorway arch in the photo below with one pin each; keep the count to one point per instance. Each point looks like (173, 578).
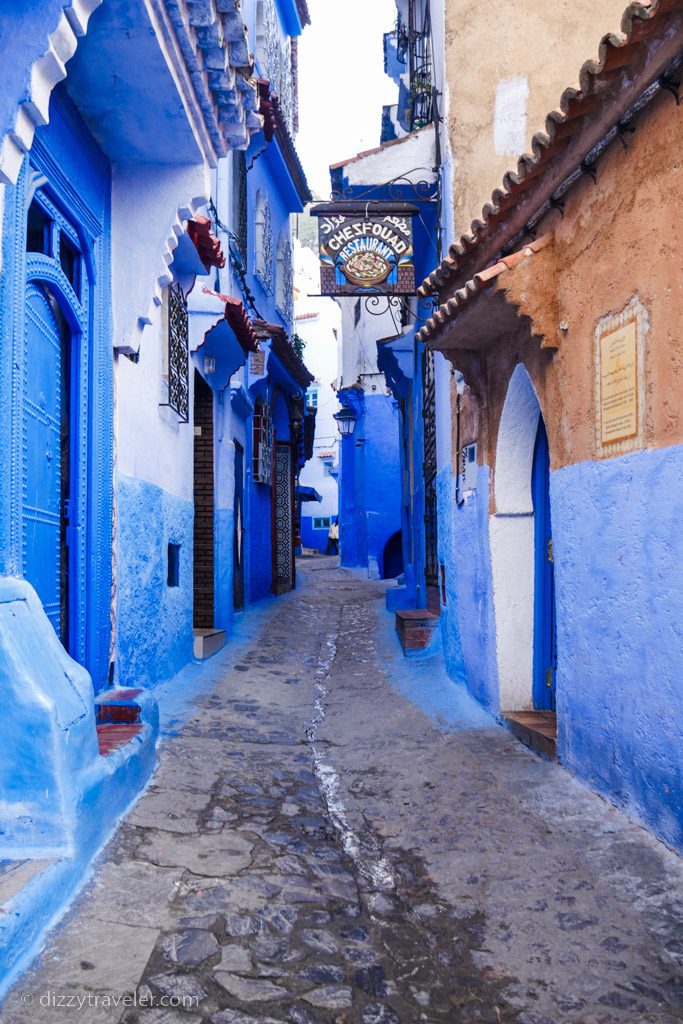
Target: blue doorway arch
(545, 632)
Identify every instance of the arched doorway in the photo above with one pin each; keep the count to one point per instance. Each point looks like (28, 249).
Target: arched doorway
(521, 553)
(392, 558)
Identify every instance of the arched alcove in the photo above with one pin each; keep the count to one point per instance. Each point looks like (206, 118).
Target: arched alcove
(392, 557)
(512, 543)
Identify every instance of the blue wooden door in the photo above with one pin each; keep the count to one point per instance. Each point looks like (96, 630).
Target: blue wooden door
(545, 635)
(238, 539)
(43, 529)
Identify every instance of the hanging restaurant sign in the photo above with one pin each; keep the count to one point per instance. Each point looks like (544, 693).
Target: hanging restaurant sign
(366, 248)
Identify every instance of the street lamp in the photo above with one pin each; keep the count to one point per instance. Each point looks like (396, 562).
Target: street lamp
(346, 421)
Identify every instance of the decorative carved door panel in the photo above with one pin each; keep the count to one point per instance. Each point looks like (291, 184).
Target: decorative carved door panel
(283, 520)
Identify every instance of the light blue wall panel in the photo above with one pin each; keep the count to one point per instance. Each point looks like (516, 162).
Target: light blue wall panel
(467, 619)
(619, 575)
(154, 621)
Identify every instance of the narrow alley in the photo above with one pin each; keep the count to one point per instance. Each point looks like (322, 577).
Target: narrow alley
(327, 839)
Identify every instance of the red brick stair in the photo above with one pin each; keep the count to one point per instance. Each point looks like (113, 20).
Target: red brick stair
(416, 628)
(118, 719)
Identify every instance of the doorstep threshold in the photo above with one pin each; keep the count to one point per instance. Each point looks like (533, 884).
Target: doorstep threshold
(537, 730)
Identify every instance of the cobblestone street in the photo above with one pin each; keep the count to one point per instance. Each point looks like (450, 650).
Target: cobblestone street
(294, 863)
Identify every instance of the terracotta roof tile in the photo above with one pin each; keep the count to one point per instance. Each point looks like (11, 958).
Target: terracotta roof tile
(206, 244)
(285, 351)
(275, 127)
(304, 13)
(450, 309)
(237, 318)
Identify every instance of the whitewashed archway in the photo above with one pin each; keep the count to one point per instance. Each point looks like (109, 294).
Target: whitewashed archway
(512, 543)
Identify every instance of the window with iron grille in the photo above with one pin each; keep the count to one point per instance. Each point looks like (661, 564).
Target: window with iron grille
(263, 243)
(420, 64)
(241, 220)
(178, 354)
(263, 443)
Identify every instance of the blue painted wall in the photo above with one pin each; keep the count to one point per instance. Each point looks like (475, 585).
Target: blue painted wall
(370, 480)
(352, 522)
(618, 556)
(154, 624)
(467, 618)
(311, 538)
(382, 473)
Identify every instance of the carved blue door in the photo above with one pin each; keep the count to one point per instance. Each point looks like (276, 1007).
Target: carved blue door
(42, 527)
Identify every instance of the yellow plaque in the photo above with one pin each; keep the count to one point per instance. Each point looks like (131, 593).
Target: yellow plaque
(619, 383)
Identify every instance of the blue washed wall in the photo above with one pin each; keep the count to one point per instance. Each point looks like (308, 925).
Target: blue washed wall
(311, 538)
(352, 529)
(24, 38)
(467, 620)
(382, 472)
(154, 621)
(618, 559)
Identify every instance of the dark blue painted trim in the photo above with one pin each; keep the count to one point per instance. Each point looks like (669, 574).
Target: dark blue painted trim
(289, 14)
(545, 641)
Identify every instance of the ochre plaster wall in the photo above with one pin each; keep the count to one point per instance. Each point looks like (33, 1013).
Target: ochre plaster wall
(618, 239)
(544, 42)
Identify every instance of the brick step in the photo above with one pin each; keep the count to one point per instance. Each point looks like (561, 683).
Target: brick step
(112, 735)
(118, 706)
(416, 628)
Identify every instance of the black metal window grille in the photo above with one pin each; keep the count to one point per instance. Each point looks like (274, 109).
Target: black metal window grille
(263, 443)
(429, 467)
(420, 64)
(178, 354)
(242, 220)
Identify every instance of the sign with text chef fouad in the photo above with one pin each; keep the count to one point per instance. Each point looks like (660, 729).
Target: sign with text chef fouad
(366, 248)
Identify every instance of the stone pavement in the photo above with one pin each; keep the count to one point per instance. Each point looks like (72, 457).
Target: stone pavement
(315, 849)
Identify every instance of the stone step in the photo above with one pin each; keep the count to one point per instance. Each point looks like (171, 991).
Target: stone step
(208, 642)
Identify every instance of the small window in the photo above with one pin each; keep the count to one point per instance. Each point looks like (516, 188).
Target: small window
(328, 464)
(38, 230)
(263, 443)
(178, 353)
(312, 397)
(240, 211)
(70, 260)
(173, 565)
(321, 522)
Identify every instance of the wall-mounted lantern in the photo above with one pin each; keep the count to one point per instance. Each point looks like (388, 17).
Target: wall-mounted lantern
(346, 421)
